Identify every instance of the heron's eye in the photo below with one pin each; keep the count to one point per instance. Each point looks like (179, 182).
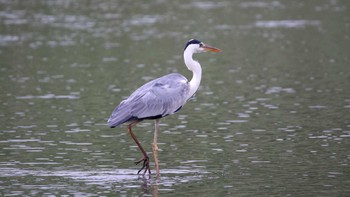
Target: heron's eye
(201, 45)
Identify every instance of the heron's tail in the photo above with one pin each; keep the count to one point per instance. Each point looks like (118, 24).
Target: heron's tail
(120, 115)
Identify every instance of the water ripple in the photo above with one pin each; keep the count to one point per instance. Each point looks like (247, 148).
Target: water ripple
(287, 23)
(276, 90)
(48, 96)
(127, 177)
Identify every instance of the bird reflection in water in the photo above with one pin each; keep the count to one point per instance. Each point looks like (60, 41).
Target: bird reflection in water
(149, 186)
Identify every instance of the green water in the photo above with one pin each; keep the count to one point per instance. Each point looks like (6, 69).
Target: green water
(271, 117)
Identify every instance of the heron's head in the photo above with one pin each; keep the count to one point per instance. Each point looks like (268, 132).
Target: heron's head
(196, 46)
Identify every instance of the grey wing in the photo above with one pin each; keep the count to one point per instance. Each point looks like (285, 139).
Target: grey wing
(155, 99)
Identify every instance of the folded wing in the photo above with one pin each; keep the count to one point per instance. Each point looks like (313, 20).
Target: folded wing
(155, 99)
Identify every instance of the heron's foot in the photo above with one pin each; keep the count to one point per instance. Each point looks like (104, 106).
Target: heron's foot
(145, 165)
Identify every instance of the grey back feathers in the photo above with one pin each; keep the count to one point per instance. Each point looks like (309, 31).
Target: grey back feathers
(155, 99)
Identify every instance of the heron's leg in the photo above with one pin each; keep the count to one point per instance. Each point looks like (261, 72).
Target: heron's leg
(145, 158)
(155, 146)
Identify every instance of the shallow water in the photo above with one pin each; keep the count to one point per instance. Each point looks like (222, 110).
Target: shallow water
(271, 116)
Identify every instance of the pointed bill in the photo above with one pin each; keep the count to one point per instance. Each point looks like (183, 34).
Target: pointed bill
(211, 48)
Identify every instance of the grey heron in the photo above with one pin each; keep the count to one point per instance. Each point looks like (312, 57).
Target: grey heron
(159, 98)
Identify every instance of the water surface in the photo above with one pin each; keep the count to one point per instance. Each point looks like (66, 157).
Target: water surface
(271, 117)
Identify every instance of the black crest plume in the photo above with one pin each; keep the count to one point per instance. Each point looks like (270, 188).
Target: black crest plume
(192, 41)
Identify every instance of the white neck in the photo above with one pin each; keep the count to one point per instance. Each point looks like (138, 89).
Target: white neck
(196, 69)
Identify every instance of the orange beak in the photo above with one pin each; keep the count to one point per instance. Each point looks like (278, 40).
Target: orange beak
(210, 48)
